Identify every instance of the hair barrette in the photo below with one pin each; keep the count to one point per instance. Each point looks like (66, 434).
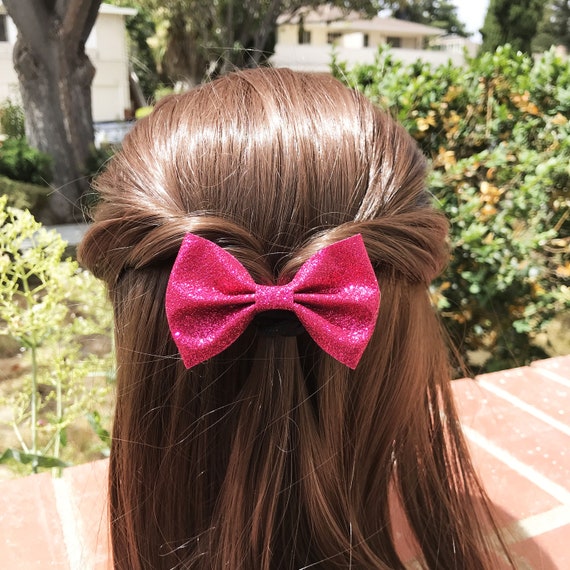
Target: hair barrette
(211, 299)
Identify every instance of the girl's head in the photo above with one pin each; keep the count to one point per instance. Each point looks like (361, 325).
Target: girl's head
(273, 455)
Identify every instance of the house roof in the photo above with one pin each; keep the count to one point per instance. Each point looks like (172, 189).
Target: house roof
(390, 26)
(321, 14)
(338, 19)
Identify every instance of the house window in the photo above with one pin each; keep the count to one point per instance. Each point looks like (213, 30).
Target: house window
(365, 40)
(304, 36)
(3, 28)
(332, 37)
(394, 42)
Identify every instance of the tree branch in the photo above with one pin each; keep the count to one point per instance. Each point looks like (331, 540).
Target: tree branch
(265, 28)
(77, 21)
(90, 20)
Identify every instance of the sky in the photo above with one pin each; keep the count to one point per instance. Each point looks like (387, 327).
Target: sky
(472, 13)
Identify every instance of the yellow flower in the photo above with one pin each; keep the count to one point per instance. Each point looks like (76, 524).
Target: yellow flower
(537, 290)
(563, 270)
(452, 93)
(424, 123)
(490, 194)
(487, 210)
(524, 103)
(445, 158)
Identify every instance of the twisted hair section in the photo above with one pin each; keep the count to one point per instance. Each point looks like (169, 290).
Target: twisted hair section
(272, 455)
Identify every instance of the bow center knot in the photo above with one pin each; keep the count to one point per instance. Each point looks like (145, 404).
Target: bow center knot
(269, 297)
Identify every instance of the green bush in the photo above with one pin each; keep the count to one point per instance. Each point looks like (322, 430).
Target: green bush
(23, 195)
(56, 313)
(19, 161)
(12, 120)
(98, 158)
(497, 132)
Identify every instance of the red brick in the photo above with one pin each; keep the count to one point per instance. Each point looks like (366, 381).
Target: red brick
(560, 365)
(549, 551)
(528, 439)
(63, 524)
(87, 486)
(502, 484)
(534, 389)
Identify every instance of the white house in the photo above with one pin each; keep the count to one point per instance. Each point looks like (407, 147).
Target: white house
(456, 44)
(107, 49)
(307, 38)
(329, 25)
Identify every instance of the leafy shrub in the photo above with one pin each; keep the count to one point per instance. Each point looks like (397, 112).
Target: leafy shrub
(497, 132)
(23, 195)
(19, 161)
(12, 120)
(98, 158)
(53, 310)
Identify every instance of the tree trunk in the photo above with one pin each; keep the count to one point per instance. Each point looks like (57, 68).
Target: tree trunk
(183, 58)
(57, 106)
(55, 78)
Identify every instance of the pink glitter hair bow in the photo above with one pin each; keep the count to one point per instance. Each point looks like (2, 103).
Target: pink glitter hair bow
(211, 299)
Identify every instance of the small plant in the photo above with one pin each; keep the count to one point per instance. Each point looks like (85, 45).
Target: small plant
(51, 308)
(19, 161)
(24, 195)
(12, 120)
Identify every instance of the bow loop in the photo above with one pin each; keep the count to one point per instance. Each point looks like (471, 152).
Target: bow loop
(211, 299)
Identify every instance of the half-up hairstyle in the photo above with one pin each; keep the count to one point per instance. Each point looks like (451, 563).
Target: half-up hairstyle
(273, 455)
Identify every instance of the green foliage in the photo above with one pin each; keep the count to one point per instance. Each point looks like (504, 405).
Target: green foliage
(98, 158)
(511, 21)
(554, 29)
(19, 161)
(23, 195)
(439, 13)
(96, 423)
(497, 131)
(140, 28)
(52, 309)
(24, 171)
(12, 120)
(35, 460)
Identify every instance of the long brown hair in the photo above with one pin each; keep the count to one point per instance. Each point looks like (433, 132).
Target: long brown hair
(272, 455)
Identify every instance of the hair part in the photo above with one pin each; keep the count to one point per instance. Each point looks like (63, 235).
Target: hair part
(272, 455)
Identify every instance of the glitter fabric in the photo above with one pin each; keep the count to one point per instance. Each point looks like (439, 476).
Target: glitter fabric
(211, 299)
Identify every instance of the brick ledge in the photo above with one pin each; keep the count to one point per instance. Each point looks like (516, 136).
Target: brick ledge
(517, 423)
